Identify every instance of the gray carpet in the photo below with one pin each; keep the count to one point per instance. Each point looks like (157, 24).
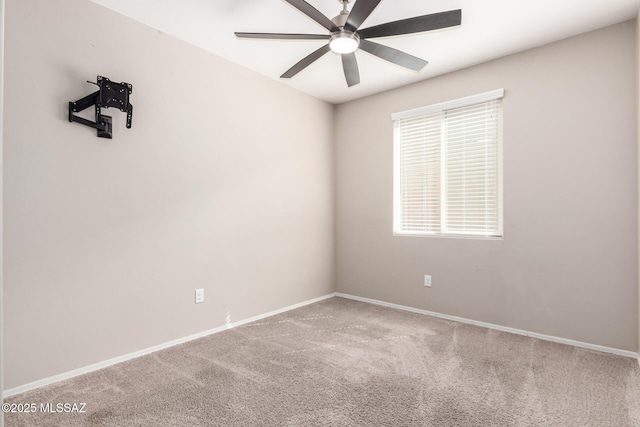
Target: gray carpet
(346, 363)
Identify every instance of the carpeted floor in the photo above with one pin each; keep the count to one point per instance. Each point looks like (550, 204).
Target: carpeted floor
(346, 363)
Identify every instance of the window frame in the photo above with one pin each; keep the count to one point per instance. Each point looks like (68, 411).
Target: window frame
(480, 98)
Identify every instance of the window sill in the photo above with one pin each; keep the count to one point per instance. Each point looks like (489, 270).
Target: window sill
(449, 236)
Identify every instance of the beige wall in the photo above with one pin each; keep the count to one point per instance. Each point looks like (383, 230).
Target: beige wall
(1, 197)
(223, 183)
(638, 153)
(567, 264)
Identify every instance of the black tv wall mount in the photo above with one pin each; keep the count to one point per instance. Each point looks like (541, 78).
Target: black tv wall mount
(109, 94)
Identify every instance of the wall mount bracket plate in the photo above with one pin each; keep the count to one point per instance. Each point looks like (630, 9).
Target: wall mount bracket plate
(109, 94)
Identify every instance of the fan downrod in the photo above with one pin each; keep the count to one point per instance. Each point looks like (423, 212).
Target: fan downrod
(341, 19)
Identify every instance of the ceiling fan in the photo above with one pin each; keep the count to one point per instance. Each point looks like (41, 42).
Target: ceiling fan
(346, 37)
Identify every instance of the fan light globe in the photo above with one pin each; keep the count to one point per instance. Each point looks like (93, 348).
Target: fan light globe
(344, 42)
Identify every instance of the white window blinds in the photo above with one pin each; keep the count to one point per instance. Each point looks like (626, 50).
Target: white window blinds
(448, 168)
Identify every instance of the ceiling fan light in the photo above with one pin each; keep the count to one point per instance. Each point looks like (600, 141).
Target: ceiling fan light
(344, 42)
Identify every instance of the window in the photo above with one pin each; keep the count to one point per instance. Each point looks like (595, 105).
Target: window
(448, 168)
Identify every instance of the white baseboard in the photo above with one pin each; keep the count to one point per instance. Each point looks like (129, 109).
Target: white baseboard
(596, 347)
(100, 365)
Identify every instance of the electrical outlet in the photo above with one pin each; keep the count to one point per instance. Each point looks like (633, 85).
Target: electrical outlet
(427, 281)
(199, 296)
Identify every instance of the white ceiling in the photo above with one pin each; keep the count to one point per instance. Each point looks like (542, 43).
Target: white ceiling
(490, 29)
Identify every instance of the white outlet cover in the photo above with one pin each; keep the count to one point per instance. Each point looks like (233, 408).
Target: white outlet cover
(199, 296)
(427, 280)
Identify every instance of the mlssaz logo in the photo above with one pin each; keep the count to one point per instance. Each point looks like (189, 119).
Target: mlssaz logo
(63, 407)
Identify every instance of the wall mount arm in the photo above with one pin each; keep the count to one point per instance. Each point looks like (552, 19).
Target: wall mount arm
(110, 94)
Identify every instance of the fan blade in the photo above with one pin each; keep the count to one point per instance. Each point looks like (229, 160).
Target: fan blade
(393, 55)
(278, 36)
(418, 24)
(305, 62)
(314, 14)
(350, 66)
(360, 12)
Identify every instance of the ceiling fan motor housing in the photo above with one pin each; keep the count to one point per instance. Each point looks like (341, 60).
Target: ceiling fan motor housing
(341, 19)
(343, 41)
